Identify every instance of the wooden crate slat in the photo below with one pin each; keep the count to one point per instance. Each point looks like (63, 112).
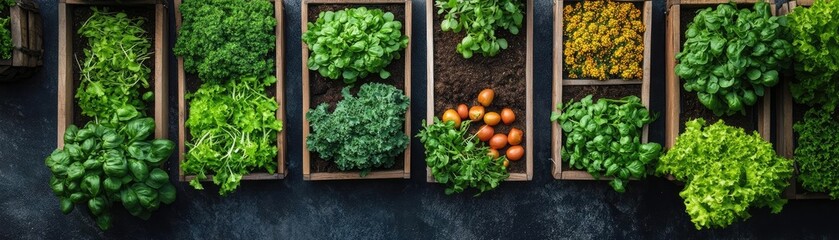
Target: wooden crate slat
(66, 67)
(18, 25)
(529, 157)
(282, 166)
(559, 82)
(405, 173)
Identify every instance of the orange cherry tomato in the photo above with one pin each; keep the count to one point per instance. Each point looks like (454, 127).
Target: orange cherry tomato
(515, 153)
(507, 116)
(451, 115)
(463, 111)
(506, 163)
(485, 97)
(476, 113)
(493, 153)
(498, 141)
(485, 133)
(514, 137)
(492, 118)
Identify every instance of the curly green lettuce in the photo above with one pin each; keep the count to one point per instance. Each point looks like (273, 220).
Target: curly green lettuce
(726, 172)
(815, 42)
(817, 152)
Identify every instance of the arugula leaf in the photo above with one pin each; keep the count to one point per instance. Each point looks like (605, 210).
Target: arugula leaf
(480, 19)
(353, 43)
(604, 138)
(731, 56)
(364, 131)
(725, 172)
(816, 45)
(458, 159)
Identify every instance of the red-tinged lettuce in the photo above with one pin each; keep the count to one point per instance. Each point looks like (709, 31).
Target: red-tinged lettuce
(725, 172)
(816, 45)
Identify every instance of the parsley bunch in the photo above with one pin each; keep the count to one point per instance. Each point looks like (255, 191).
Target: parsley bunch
(731, 57)
(480, 19)
(234, 131)
(227, 39)
(725, 172)
(363, 132)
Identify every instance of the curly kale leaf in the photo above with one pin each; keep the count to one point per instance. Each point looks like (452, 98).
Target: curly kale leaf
(227, 39)
(817, 152)
(731, 57)
(725, 172)
(364, 132)
(816, 44)
(353, 43)
(234, 130)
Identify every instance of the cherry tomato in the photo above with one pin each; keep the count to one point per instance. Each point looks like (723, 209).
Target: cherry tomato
(515, 153)
(463, 111)
(493, 153)
(485, 97)
(515, 136)
(476, 113)
(506, 163)
(451, 115)
(492, 118)
(498, 141)
(485, 133)
(507, 116)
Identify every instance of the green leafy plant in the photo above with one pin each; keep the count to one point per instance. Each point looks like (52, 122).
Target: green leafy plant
(458, 159)
(480, 19)
(6, 46)
(227, 39)
(106, 163)
(725, 172)
(604, 138)
(816, 45)
(731, 57)
(113, 74)
(353, 43)
(817, 152)
(234, 130)
(363, 132)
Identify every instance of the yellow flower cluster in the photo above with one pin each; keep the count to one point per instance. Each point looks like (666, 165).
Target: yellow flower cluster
(603, 39)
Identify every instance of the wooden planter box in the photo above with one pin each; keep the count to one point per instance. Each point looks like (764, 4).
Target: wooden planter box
(308, 159)
(27, 41)
(760, 111)
(183, 105)
(786, 116)
(560, 171)
(68, 81)
(527, 32)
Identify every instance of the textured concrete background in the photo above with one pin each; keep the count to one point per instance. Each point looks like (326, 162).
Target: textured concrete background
(391, 209)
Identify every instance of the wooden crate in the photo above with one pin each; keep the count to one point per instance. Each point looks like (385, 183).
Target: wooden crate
(183, 105)
(27, 42)
(786, 143)
(673, 85)
(67, 65)
(430, 114)
(559, 81)
(378, 174)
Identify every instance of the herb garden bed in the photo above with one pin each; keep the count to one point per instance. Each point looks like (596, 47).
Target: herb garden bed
(27, 41)
(454, 80)
(566, 88)
(71, 16)
(318, 89)
(188, 83)
(788, 113)
(683, 105)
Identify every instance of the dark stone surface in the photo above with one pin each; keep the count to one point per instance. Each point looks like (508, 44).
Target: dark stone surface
(392, 209)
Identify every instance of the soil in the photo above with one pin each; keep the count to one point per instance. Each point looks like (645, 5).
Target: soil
(458, 80)
(80, 15)
(603, 91)
(691, 108)
(328, 91)
(192, 83)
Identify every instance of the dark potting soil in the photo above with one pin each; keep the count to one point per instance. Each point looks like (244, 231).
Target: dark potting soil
(80, 16)
(192, 83)
(691, 108)
(603, 91)
(328, 91)
(458, 80)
